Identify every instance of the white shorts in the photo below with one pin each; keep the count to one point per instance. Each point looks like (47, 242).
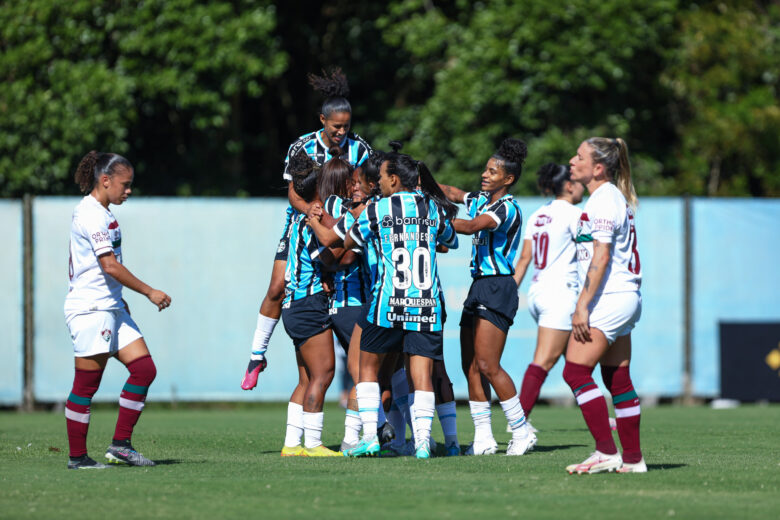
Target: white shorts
(615, 314)
(552, 307)
(102, 332)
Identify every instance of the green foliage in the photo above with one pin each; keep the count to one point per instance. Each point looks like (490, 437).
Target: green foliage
(80, 75)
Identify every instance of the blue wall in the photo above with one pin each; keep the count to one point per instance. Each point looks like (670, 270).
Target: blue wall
(214, 257)
(11, 317)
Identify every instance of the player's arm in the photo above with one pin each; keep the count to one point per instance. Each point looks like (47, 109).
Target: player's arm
(325, 235)
(347, 258)
(522, 263)
(295, 200)
(475, 225)
(602, 255)
(122, 274)
(454, 194)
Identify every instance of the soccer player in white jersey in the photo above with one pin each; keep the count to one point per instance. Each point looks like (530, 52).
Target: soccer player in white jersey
(98, 318)
(550, 243)
(491, 304)
(608, 307)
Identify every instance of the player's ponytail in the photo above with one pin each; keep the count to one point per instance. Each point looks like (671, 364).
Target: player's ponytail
(413, 173)
(552, 178)
(335, 177)
(333, 85)
(95, 164)
(511, 154)
(613, 154)
(430, 187)
(304, 172)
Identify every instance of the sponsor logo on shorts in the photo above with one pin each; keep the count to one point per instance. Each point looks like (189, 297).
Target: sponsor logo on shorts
(282, 246)
(106, 335)
(479, 241)
(481, 307)
(410, 318)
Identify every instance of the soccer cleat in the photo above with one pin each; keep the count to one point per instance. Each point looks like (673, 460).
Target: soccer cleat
(126, 455)
(453, 449)
(596, 463)
(292, 451)
(365, 448)
(423, 450)
(252, 371)
(84, 462)
(488, 447)
(386, 433)
(521, 445)
(391, 450)
(320, 451)
(635, 467)
(346, 446)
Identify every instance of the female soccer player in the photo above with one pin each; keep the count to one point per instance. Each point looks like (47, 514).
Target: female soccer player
(549, 241)
(608, 307)
(491, 304)
(405, 313)
(98, 318)
(305, 314)
(336, 119)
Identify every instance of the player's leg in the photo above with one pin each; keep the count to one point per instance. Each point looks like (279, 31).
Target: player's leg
(268, 317)
(489, 342)
(320, 362)
(421, 370)
(399, 415)
(445, 407)
(385, 430)
(88, 373)
(617, 378)
(550, 344)
(581, 358)
(292, 440)
(479, 392)
(352, 422)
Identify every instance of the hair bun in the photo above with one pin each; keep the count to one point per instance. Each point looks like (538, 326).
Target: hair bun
(395, 146)
(332, 83)
(335, 151)
(514, 150)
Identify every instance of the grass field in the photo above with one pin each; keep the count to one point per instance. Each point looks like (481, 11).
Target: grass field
(224, 463)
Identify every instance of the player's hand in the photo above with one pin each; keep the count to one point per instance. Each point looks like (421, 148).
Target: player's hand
(315, 212)
(160, 299)
(327, 285)
(580, 325)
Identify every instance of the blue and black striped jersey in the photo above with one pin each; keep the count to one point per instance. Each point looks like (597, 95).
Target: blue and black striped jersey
(369, 260)
(355, 150)
(350, 283)
(405, 228)
(494, 250)
(303, 274)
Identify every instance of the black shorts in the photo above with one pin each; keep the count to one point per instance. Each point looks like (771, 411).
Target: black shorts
(492, 298)
(381, 340)
(343, 320)
(284, 243)
(306, 318)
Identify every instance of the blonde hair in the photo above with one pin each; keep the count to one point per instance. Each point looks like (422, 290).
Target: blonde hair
(613, 154)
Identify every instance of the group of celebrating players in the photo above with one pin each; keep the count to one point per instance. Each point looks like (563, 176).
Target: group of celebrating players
(358, 260)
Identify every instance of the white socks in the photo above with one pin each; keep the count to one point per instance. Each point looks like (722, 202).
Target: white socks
(265, 327)
(294, 425)
(312, 426)
(515, 416)
(449, 423)
(352, 425)
(368, 398)
(423, 409)
(480, 414)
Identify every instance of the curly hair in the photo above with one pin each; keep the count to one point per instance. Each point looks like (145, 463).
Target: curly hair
(95, 164)
(333, 85)
(512, 154)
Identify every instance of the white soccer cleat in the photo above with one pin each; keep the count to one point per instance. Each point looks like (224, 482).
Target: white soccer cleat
(597, 463)
(636, 467)
(521, 445)
(484, 447)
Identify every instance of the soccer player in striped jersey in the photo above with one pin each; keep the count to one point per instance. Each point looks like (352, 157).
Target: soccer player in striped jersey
(491, 304)
(608, 307)
(336, 119)
(306, 317)
(405, 313)
(550, 242)
(98, 318)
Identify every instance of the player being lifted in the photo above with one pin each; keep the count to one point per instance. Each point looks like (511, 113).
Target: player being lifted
(491, 304)
(550, 243)
(336, 119)
(98, 318)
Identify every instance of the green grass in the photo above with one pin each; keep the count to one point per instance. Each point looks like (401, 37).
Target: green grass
(224, 463)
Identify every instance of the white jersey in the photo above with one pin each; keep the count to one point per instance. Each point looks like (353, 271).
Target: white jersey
(552, 230)
(93, 231)
(608, 219)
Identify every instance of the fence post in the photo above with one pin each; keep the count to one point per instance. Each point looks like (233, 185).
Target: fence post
(687, 302)
(28, 396)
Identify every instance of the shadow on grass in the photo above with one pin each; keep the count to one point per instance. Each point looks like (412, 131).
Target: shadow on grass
(558, 447)
(654, 467)
(168, 462)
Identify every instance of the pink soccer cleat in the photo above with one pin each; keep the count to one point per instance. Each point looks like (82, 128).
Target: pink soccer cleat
(252, 371)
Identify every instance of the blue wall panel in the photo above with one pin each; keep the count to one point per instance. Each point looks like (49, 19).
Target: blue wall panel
(11, 308)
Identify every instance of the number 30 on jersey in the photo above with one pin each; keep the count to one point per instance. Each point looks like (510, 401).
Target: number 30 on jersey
(414, 268)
